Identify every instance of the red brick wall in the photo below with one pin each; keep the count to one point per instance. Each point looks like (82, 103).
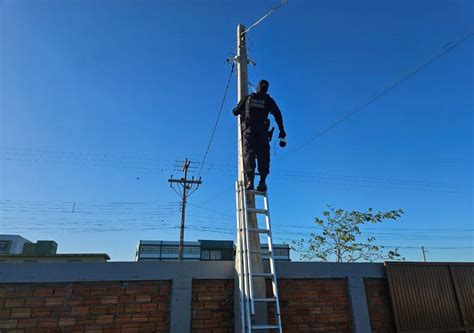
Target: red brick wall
(307, 305)
(212, 306)
(313, 305)
(93, 307)
(380, 308)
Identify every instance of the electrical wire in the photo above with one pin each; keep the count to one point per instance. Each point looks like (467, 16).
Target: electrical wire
(449, 47)
(210, 210)
(282, 2)
(228, 169)
(217, 120)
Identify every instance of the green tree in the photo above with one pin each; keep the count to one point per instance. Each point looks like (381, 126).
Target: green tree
(340, 238)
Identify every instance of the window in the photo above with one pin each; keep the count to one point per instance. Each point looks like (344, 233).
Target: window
(281, 252)
(211, 255)
(5, 247)
(150, 250)
(169, 250)
(191, 250)
(215, 255)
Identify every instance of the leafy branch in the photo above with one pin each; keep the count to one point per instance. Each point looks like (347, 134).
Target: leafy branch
(340, 238)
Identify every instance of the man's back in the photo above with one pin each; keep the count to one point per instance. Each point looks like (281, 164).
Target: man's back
(254, 110)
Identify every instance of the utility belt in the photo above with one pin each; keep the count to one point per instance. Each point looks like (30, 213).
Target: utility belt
(263, 126)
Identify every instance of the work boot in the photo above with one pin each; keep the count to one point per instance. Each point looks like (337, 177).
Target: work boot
(249, 177)
(262, 187)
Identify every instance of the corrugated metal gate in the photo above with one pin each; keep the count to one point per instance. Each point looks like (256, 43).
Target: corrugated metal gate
(432, 297)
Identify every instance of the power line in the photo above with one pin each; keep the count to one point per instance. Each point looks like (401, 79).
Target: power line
(226, 168)
(421, 230)
(218, 194)
(217, 119)
(211, 210)
(79, 157)
(93, 164)
(282, 2)
(137, 217)
(82, 154)
(375, 179)
(26, 151)
(431, 247)
(449, 47)
(373, 186)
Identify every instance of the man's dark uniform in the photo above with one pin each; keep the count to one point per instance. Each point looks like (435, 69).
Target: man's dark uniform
(254, 110)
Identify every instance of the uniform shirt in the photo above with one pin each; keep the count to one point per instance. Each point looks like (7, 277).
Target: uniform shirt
(255, 109)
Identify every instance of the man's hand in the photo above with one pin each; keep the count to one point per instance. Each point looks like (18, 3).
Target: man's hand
(236, 111)
(282, 134)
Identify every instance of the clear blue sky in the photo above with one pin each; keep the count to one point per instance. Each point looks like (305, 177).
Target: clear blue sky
(95, 94)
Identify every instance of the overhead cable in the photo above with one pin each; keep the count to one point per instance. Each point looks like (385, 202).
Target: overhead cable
(217, 120)
(448, 47)
(282, 2)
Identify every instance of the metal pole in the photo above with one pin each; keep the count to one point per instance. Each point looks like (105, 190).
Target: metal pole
(241, 60)
(424, 254)
(183, 211)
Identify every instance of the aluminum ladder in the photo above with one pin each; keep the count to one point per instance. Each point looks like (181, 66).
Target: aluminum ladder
(246, 273)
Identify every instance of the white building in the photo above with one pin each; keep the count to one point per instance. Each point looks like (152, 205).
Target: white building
(12, 244)
(202, 250)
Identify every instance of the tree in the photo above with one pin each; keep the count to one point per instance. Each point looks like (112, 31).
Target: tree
(341, 239)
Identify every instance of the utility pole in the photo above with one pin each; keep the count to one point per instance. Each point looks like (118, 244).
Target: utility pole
(259, 287)
(242, 87)
(185, 189)
(424, 252)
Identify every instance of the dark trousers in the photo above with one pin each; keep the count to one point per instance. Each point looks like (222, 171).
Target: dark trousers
(256, 146)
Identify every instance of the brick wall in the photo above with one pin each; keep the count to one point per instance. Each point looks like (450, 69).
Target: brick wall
(378, 303)
(307, 305)
(313, 305)
(93, 307)
(212, 306)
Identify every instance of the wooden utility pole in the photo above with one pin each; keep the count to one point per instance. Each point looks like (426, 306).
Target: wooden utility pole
(185, 188)
(259, 288)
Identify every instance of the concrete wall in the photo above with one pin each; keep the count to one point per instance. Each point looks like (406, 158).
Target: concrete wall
(326, 297)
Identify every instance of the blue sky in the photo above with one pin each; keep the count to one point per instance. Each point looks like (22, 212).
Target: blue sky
(99, 99)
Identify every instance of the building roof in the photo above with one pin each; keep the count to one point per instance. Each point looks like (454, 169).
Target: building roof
(55, 256)
(14, 237)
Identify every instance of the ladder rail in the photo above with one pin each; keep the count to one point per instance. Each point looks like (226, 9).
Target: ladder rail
(241, 262)
(245, 262)
(247, 252)
(272, 262)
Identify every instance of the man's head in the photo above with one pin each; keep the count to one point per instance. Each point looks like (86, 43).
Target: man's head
(262, 87)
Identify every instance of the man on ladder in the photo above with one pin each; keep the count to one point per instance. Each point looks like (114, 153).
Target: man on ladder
(254, 110)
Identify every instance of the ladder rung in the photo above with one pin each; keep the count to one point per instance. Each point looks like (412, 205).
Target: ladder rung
(262, 231)
(256, 192)
(265, 327)
(257, 211)
(265, 299)
(269, 275)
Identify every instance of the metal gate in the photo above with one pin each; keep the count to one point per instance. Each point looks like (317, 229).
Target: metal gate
(432, 297)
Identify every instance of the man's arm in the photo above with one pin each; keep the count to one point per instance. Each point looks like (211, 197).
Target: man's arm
(240, 108)
(275, 111)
